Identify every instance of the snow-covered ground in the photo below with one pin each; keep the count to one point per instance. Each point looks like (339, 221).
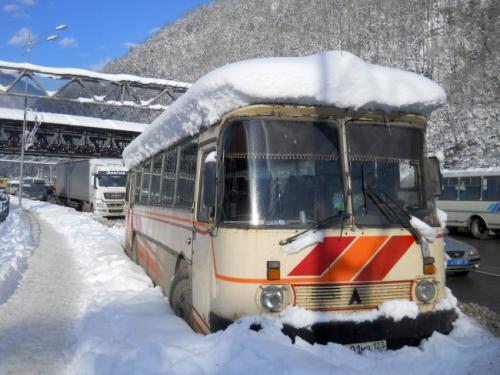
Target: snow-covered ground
(77, 304)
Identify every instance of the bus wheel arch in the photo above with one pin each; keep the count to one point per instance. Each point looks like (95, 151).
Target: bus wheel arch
(478, 227)
(181, 296)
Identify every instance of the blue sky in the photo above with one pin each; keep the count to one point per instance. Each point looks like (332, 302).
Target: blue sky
(98, 31)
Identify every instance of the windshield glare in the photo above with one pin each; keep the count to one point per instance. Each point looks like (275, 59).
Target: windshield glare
(281, 172)
(112, 180)
(385, 163)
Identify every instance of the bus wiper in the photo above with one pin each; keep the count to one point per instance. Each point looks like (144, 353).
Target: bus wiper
(316, 225)
(395, 214)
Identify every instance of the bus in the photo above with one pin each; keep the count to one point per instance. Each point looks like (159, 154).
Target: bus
(245, 198)
(471, 198)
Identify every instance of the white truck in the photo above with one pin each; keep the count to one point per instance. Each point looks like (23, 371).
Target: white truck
(92, 185)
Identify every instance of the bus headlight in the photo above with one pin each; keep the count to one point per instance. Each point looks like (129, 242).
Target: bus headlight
(272, 298)
(425, 291)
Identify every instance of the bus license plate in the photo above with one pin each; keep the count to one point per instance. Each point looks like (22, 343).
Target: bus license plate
(360, 347)
(458, 262)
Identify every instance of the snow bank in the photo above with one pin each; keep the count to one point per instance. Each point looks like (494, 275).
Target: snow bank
(335, 78)
(16, 246)
(126, 326)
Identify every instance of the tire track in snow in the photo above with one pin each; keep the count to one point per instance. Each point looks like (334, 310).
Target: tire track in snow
(37, 322)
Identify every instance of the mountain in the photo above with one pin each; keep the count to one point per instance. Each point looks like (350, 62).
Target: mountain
(454, 42)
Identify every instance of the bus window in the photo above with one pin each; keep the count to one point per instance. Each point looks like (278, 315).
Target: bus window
(186, 176)
(154, 198)
(138, 183)
(491, 188)
(449, 189)
(145, 181)
(470, 188)
(168, 185)
(281, 172)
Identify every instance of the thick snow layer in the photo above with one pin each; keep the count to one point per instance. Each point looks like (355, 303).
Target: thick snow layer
(304, 240)
(125, 326)
(335, 78)
(59, 118)
(428, 232)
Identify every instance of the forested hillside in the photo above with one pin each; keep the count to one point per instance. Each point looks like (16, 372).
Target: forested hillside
(455, 42)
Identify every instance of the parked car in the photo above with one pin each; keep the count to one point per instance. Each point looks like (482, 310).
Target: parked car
(461, 256)
(35, 191)
(12, 187)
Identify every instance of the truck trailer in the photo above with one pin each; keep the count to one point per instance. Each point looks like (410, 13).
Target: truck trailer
(92, 185)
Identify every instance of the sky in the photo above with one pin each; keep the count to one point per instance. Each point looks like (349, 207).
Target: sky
(98, 30)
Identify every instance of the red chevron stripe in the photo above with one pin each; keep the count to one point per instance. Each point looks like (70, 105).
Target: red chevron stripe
(321, 256)
(386, 258)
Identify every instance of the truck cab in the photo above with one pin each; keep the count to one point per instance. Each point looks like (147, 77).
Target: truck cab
(108, 193)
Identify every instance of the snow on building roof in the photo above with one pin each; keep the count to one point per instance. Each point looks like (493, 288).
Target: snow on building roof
(91, 74)
(59, 118)
(334, 78)
(471, 172)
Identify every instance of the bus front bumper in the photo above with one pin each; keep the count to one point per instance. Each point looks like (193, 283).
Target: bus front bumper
(406, 331)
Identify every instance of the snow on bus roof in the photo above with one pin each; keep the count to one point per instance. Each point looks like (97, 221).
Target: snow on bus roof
(333, 78)
(472, 172)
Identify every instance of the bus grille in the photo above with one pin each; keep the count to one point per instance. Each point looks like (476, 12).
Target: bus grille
(343, 297)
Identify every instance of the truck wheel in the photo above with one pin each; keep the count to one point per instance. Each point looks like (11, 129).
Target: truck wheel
(478, 229)
(181, 297)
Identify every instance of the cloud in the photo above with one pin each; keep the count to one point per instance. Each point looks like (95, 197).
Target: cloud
(154, 30)
(68, 42)
(11, 8)
(130, 44)
(27, 2)
(99, 65)
(21, 37)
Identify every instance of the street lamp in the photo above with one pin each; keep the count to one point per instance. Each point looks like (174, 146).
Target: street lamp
(32, 42)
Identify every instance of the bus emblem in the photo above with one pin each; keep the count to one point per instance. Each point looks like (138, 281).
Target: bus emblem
(355, 298)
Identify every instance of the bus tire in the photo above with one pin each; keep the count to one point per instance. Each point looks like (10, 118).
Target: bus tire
(478, 229)
(134, 255)
(181, 297)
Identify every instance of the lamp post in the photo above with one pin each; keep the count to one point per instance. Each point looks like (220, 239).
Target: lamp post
(31, 43)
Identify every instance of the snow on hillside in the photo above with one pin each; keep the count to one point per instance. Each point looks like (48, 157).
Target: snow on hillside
(125, 326)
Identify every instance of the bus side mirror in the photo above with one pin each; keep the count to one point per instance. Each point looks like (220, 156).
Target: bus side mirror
(209, 187)
(94, 181)
(434, 179)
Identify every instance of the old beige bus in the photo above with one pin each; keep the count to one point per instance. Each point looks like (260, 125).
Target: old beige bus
(278, 183)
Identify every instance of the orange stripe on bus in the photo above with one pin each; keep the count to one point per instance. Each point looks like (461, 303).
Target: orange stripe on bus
(354, 258)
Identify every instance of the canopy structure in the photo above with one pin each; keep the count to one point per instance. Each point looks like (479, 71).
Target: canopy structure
(334, 78)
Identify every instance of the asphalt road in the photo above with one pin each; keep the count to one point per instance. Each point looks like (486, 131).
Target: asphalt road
(483, 285)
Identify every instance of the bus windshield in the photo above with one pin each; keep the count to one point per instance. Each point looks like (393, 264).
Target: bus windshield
(385, 164)
(281, 172)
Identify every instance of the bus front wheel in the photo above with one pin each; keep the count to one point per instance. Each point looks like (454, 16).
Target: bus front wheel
(181, 296)
(478, 229)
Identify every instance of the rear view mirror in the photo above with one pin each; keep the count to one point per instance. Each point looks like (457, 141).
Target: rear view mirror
(434, 179)
(209, 184)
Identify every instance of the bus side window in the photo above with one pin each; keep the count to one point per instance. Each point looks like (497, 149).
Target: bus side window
(154, 198)
(138, 183)
(491, 188)
(146, 174)
(207, 188)
(168, 178)
(186, 176)
(449, 189)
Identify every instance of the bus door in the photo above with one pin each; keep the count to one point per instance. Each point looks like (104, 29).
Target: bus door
(202, 239)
